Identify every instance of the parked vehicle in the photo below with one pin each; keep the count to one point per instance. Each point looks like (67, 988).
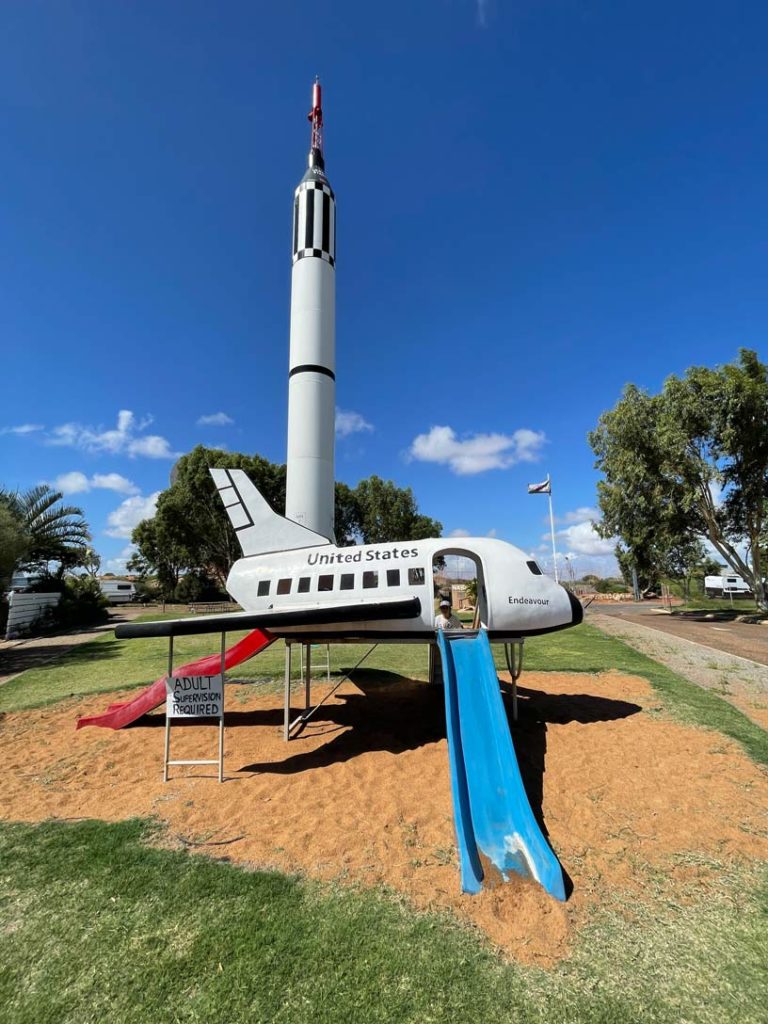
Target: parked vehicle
(721, 586)
(118, 591)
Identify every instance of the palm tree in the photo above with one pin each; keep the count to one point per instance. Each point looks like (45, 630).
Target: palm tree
(55, 532)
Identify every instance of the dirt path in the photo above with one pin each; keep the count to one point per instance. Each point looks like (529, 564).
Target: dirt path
(738, 638)
(739, 680)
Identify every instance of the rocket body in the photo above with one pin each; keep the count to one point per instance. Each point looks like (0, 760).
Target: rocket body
(309, 498)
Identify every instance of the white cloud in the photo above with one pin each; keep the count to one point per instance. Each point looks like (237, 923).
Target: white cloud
(481, 6)
(24, 428)
(579, 515)
(492, 533)
(351, 423)
(459, 533)
(72, 483)
(215, 419)
(583, 539)
(217, 447)
(114, 482)
(78, 483)
(119, 564)
(478, 452)
(127, 516)
(122, 440)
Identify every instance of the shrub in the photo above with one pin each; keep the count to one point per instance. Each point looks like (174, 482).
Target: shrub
(82, 603)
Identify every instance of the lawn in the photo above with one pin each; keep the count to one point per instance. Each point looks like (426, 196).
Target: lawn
(97, 925)
(98, 922)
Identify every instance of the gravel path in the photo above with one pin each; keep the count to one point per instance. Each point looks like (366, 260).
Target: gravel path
(742, 682)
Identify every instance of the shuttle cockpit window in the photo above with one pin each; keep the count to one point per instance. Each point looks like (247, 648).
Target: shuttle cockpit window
(303, 587)
(415, 577)
(284, 586)
(347, 581)
(263, 590)
(325, 582)
(393, 577)
(370, 580)
(534, 568)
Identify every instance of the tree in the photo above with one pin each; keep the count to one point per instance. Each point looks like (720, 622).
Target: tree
(159, 554)
(190, 531)
(346, 516)
(14, 543)
(386, 512)
(689, 463)
(91, 562)
(55, 532)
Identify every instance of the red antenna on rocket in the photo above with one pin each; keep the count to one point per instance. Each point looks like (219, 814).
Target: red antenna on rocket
(315, 117)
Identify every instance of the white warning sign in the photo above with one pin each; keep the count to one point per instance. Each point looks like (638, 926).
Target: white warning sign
(195, 697)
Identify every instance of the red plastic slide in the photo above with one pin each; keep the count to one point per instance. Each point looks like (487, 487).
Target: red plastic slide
(118, 715)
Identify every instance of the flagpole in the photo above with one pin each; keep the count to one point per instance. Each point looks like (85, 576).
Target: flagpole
(552, 528)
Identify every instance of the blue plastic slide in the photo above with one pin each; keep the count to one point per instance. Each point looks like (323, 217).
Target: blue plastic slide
(491, 809)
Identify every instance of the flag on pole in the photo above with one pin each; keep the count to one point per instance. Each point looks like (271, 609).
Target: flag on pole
(545, 487)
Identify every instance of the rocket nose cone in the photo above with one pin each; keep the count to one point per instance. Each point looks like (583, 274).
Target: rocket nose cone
(315, 173)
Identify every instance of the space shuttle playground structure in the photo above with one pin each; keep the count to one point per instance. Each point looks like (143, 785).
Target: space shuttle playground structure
(492, 815)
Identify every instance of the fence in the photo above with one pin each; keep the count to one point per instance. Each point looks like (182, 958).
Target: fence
(24, 610)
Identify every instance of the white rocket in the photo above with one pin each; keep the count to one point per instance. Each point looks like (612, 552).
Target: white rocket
(312, 379)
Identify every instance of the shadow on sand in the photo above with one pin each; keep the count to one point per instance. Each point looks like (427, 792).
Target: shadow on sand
(395, 714)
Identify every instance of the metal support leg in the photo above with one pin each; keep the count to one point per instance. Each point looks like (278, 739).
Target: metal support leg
(307, 676)
(515, 665)
(223, 698)
(167, 719)
(287, 702)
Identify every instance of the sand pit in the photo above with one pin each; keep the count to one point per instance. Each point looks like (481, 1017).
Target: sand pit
(363, 795)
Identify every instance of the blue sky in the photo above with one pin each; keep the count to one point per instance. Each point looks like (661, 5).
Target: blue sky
(537, 202)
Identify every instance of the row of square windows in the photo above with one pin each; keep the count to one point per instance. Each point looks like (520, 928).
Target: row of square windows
(416, 577)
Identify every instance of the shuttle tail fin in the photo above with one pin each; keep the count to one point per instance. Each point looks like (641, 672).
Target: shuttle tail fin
(259, 528)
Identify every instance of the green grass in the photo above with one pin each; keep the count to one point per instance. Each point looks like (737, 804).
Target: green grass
(98, 926)
(740, 605)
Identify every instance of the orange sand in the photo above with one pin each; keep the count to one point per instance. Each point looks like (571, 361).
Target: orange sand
(364, 794)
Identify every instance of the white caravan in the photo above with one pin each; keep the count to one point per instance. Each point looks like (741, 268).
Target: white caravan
(117, 591)
(294, 582)
(718, 586)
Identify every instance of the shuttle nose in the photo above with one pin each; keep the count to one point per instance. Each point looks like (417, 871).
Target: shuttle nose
(577, 609)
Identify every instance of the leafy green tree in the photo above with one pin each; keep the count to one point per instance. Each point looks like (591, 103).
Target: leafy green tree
(190, 531)
(688, 463)
(389, 513)
(90, 561)
(158, 554)
(14, 544)
(346, 516)
(55, 532)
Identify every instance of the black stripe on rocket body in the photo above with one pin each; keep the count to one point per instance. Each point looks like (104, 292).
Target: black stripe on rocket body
(303, 253)
(326, 222)
(312, 368)
(309, 223)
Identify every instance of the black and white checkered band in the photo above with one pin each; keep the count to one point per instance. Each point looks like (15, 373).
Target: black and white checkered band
(303, 253)
(318, 186)
(314, 222)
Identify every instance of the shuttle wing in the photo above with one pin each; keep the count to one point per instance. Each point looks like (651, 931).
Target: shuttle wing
(273, 618)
